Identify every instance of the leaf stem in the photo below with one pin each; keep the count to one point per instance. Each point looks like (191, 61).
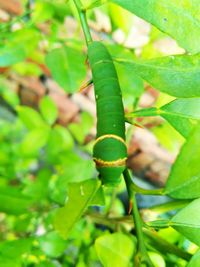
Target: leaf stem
(82, 15)
(141, 256)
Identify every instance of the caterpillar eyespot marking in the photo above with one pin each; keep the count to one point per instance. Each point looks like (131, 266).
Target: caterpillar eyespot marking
(109, 136)
(114, 163)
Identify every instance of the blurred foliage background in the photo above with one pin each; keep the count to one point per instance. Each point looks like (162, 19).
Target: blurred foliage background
(47, 129)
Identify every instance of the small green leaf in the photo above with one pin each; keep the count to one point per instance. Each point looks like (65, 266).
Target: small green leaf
(195, 260)
(184, 178)
(34, 141)
(98, 199)
(175, 75)
(121, 18)
(48, 109)
(30, 117)
(38, 188)
(42, 12)
(4, 262)
(177, 18)
(60, 140)
(67, 67)
(27, 69)
(85, 125)
(10, 55)
(114, 249)
(16, 248)
(94, 3)
(28, 38)
(52, 244)
(12, 201)
(183, 114)
(79, 197)
(187, 221)
(156, 259)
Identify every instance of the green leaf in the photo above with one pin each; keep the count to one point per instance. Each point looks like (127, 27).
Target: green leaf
(114, 250)
(42, 12)
(4, 262)
(10, 55)
(94, 3)
(184, 178)
(85, 125)
(156, 259)
(98, 199)
(52, 244)
(27, 38)
(30, 117)
(179, 19)
(12, 201)
(195, 260)
(183, 114)
(48, 109)
(69, 173)
(175, 75)
(121, 18)
(34, 141)
(187, 221)
(16, 248)
(38, 188)
(27, 69)
(67, 67)
(79, 197)
(59, 141)
(131, 84)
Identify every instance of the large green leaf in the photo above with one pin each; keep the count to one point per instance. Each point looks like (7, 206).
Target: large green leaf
(179, 19)
(114, 249)
(67, 67)
(183, 114)
(184, 178)
(195, 260)
(187, 221)
(79, 197)
(175, 75)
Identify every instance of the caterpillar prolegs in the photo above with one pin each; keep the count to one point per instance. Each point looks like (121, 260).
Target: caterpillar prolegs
(109, 152)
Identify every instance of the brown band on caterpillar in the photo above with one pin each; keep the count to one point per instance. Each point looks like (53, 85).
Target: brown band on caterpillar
(110, 136)
(114, 163)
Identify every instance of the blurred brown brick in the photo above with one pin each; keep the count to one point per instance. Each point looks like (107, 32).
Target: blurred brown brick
(12, 6)
(140, 161)
(67, 109)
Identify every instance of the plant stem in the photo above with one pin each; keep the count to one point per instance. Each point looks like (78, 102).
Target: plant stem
(160, 243)
(165, 246)
(141, 256)
(138, 189)
(83, 20)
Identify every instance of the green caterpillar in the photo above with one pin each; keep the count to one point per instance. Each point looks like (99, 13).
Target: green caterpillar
(109, 152)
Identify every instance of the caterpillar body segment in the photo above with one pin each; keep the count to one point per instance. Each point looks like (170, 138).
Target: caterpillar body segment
(110, 152)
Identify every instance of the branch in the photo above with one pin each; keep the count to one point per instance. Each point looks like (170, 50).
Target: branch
(142, 255)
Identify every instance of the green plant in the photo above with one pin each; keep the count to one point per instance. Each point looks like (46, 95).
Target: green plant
(55, 211)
